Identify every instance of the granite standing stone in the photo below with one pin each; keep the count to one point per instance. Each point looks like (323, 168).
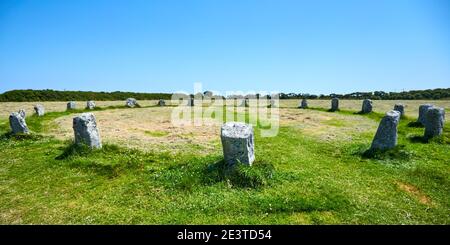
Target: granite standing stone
(131, 102)
(303, 104)
(90, 104)
(39, 109)
(191, 101)
(161, 102)
(386, 136)
(71, 105)
(86, 131)
(18, 124)
(422, 111)
(22, 113)
(238, 143)
(334, 104)
(434, 123)
(400, 108)
(366, 106)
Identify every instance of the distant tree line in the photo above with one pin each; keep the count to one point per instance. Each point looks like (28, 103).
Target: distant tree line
(54, 95)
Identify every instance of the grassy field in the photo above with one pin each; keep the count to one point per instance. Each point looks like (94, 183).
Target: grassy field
(150, 172)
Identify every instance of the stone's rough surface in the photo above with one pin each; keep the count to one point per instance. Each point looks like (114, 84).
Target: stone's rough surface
(86, 132)
(131, 102)
(71, 105)
(366, 106)
(434, 123)
(422, 111)
(39, 109)
(400, 108)
(22, 113)
(161, 102)
(386, 136)
(90, 104)
(238, 143)
(334, 104)
(304, 104)
(18, 124)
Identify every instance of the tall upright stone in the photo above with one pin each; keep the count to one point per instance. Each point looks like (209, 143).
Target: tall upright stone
(39, 109)
(90, 104)
(400, 108)
(161, 102)
(237, 143)
(366, 106)
(303, 104)
(434, 123)
(334, 104)
(386, 135)
(18, 124)
(86, 131)
(131, 102)
(71, 105)
(422, 111)
(22, 113)
(191, 101)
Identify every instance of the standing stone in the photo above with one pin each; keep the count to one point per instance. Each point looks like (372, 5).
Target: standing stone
(131, 102)
(237, 143)
(90, 104)
(334, 104)
(303, 104)
(400, 108)
(86, 132)
(273, 103)
(366, 106)
(161, 102)
(434, 123)
(39, 109)
(18, 124)
(386, 136)
(191, 101)
(71, 105)
(422, 111)
(22, 113)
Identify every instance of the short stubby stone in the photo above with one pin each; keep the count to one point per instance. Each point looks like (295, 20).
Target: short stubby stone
(39, 109)
(161, 102)
(366, 106)
(86, 131)
(422, 111)
(90, 104)
(400, 108)
(434, 123)
(18, 124)
(131, 102)
(303, 104)
(22, 113)
(71, 105)
(386, 135)
(237, 143)
(334, 104)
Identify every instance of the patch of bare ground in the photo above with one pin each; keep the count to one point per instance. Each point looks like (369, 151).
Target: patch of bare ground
(415, 192)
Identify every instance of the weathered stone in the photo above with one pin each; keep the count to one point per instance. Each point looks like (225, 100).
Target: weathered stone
(366, 106)
(386, 135)
(334, 104)
(131, 102)
(86, 131)
(22, 113)
(434, 123)
(400, 108)
(39, 109)
(90, 104)
(191, 101)
(71, 105)
(303, 104)
(161, 102)
(422, 111)
(18, 124)
(238, 143)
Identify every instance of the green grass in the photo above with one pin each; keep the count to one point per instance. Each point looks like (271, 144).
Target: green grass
(296, 180)
(156, 133)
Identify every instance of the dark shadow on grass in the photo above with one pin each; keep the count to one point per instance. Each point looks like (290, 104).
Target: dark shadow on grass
(74, 150)
(20, 137)
(418, 139)
(397, 153)
(331, 110)
(415, 124)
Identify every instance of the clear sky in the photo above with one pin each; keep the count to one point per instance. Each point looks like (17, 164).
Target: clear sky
(276, 45)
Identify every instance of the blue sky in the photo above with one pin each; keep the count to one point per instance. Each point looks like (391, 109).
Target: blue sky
(249, 45)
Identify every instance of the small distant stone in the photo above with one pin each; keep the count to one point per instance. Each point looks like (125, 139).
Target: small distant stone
(18, 124)
(434, 123)
(422, 111)
(303, 104)
(39, 109)
(366, 106)
(22, 113)
(386, 135)
(238, 143)
(191, 101)
(334, 104)
(273, 103)
(400, 108)
(86, 131)
(131, 102)
(161, 102)
(90, 104)
(71, 105)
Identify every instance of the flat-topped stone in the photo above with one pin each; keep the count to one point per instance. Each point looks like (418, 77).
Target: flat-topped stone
(434, 123)
(71, 105)
(422, 111)
(86, 131)
(18, 124)
(39, 109)
(161, 102)
(366, 106)
(386, 135)
(334, 104)
(131, 102)
(238, 143)
(90, 104)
